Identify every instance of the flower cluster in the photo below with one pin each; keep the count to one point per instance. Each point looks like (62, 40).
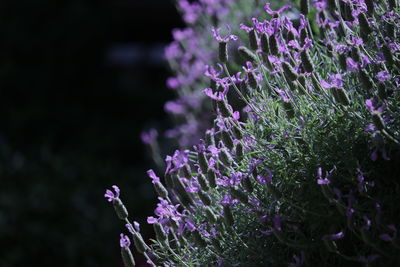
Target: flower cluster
(302, 155)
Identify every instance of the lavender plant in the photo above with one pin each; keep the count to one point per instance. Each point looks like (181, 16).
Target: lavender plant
(301, 165)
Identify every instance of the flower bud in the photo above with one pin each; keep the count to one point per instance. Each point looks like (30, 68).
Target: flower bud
(204, 197)
(186, 171)
(160, 233)
(343, 98)
(346, 10)
(237, 133)
(160, 189)
(378, 122)
(246, 54)
(289, 71)
(342, 62)
(240, 195)
(304, 7)
(340, 96)
(245, 89)
(365, 80)
(332, 5)
(273, 46)
(253, 39)
(223, 52)
(355, 54)
(225, 157)
(239, 151)
(264, 43)
(315, 83)
(209, 139)
(246, 183)
(198, 240)
(365, 29)
(203, 182)
(127, 257)
(120, 209)
(289, 109)
(210, 216)
(226, 138)
(382, 91)
(302, 84)
(211, 178)
(228, 217)
(203, 162)
(307, 61)
(225, 112)
(253, 80)
(168, 181)
(180, 189)
(140, 245)
(370, 7)
(387, 54)
(390, 31)
(292, 85)
(329, 50)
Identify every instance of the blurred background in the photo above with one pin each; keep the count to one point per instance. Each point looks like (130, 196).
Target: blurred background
(79, 81)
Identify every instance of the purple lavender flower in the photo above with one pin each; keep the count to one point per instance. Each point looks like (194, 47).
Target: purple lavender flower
(177, 161)
(149, 136)
(278, 12)
(153, 176)
(165, 212)
(211, 72)
(217, 35)
(322, 180)
(265, 179)
(227, 200)
(333, 236)
(173, 83)
(372, 106)
(383, 76)
(110, 195)
(352, 65)
(190, 11)
(217, 96)
(320, 5)
(124, 241)
(175, 107)
(355, 41)
(334, 80)
(284, 95)
(131, 229)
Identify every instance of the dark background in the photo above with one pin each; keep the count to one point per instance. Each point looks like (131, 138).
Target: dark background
(79, 81)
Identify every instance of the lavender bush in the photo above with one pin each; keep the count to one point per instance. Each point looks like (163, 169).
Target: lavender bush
(301, 164)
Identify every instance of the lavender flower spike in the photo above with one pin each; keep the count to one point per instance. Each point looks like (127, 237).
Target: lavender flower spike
(126, 253)
(280, 11)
